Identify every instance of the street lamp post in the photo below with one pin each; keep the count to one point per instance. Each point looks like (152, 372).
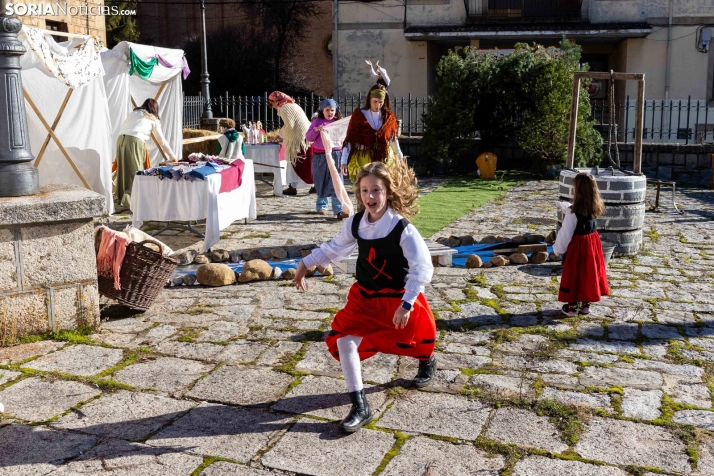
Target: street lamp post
(18, 176)
(207, 113)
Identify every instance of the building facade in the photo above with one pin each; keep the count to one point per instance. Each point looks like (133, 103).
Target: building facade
(74, 17)
(164, 23)
(665, 39)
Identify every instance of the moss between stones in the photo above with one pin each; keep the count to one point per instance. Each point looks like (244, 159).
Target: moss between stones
(208, 461)
(400, 439)
(75, 336)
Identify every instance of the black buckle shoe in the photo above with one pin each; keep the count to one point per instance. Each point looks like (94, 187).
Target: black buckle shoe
(290, 191)
(360, 414)
(426, 372)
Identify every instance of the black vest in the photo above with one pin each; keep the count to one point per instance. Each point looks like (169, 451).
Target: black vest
(585, 225)
(381, 263)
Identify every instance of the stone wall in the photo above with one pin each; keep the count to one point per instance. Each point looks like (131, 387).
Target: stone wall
(48, 276)
(687, 164)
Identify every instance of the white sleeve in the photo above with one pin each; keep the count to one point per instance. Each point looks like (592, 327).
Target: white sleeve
(565, 234)
(339, 248)
(395, 147)
(156, 126)
(223, 141)
(385, 76)
(345, 154)
(374, 73)
(420, 268)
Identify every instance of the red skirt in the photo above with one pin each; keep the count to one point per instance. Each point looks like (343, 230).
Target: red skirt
(369, 314)
(584, 275)
(303, 165)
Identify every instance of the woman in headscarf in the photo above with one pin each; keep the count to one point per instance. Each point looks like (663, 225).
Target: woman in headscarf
(371, 135)
(328, 112)
(131, 146)
(296, 125)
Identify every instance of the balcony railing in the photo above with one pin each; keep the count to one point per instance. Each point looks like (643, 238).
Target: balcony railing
(523, 9)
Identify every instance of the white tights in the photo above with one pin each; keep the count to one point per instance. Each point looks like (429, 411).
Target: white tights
(349, 360)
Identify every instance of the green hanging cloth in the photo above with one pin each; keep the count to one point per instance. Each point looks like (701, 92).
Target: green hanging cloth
(142, 68)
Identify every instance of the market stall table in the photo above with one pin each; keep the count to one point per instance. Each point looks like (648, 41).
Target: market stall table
(267, 159)
(153, 199)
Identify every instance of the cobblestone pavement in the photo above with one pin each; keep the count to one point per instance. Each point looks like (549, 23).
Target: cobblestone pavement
(236, 380)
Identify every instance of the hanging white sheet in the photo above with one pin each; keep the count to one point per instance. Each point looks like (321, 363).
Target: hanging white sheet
(84, 128)
(121, 88)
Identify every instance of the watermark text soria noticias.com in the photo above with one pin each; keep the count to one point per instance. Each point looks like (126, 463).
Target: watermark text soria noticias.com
(56, 9)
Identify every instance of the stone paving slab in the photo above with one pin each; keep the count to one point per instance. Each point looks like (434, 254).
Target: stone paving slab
(126, 415)
(222, 468)
(504, 385)
(326, 397)
(166, 374)
(242, 352)
(36, 450)
(279, 353)
(218, 430)
(223, 331)
(540, 466)
(317, 360)
(629, 443)
(701, 418)
(190, 350)
(242, 386)
(436, 414)
(18, 353)
(37, 399)
(8, 375)
(421, 455)
(317, 448)
(611, 377)
(524, 428)
(84, 360)
(577, 398)
(642, 404)
(122, 458)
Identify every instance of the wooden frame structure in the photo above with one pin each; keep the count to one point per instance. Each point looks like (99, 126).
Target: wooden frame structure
(639, 113)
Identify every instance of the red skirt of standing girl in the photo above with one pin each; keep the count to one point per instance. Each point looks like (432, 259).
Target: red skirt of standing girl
(584, 275)
(368, 314)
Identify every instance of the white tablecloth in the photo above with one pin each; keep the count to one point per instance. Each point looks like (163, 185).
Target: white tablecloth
(153, 199)
(269, 154)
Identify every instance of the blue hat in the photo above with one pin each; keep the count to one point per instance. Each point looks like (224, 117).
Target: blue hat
(329, 102)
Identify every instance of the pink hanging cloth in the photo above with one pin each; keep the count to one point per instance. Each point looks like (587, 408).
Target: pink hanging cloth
(112, 250)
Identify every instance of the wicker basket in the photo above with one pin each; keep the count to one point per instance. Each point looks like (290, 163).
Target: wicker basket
(143, 274)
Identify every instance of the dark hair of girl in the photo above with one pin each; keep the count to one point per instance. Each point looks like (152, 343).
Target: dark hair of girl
(381, 81)
(586, 199)
(150, 106)
(338, 114)
(385, 107)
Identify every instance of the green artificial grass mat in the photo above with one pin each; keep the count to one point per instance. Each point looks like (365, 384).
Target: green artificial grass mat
(457, 197)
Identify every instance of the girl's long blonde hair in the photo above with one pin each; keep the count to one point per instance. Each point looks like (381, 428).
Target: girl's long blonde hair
(400, 181)
(586, 196)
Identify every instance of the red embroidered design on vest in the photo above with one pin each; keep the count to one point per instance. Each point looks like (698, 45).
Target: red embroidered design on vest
(372, 256)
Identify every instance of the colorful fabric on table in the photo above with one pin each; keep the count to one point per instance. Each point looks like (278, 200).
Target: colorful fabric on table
(141, 68)
(202, 172)
(281, 154)
(110, 257)
(232, 177)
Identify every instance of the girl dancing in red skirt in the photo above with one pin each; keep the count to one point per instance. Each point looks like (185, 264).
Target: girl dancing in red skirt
(386, 310)
(584, 278)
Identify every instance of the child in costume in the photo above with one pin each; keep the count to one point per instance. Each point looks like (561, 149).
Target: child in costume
(380, 75)
(386, 310)
(230, 144)
(584, 277)
(328, 112)
(371, 134)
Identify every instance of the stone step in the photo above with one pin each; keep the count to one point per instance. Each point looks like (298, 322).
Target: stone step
(437, 250)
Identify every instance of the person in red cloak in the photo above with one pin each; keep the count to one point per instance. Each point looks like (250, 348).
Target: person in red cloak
(386, 310)
(584, 277)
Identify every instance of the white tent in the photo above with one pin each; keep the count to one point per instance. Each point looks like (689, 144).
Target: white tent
(125, 91)
(67, 113)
